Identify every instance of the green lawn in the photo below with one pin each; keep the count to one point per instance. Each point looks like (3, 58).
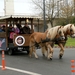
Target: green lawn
(70, 42)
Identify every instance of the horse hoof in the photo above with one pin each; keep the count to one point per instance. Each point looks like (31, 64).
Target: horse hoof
(30, 56)
(50, 58)
(43, 55)
(60, 56)
(36, 58)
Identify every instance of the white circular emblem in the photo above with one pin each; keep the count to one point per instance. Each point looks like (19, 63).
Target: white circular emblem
(19, 40)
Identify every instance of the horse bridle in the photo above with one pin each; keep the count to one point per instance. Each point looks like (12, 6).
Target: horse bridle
(71, 31)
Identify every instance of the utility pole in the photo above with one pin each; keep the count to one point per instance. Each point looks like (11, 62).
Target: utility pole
(67, 10)
(58, 9)
(44, 15)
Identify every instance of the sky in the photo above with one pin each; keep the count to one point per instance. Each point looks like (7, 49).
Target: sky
(20, 6)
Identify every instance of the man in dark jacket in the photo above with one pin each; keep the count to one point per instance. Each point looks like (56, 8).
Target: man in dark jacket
(26, 29)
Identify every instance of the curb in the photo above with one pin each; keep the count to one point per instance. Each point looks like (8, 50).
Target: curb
(65, 47)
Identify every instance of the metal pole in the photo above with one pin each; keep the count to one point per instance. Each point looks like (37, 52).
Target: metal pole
(67, 10)
(44, 14)
(38, 25)
(58, 8)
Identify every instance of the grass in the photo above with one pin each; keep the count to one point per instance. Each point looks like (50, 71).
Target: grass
(70, 42)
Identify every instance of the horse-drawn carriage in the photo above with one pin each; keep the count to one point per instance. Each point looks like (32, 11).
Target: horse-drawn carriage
(19, 41)
(24, 41)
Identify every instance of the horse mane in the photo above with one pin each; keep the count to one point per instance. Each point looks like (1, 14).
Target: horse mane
(68, 26)
(52, 32)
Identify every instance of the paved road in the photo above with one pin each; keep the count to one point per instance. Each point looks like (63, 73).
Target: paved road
(41, 66)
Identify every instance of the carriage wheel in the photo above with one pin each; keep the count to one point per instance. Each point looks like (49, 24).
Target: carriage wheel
(10, 52)
(27, 50)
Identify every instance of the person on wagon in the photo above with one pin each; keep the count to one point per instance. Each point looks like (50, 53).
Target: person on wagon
(1, 29)
(16, 29)
(10, 27)
(26, 29)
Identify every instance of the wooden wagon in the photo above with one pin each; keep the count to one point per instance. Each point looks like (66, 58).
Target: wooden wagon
(14, 46)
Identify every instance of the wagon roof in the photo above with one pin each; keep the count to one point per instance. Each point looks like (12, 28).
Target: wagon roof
(19, 16)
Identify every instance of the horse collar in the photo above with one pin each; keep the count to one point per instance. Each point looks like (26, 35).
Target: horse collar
(45, 40)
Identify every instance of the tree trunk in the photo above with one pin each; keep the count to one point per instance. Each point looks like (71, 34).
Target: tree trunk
(51, 22)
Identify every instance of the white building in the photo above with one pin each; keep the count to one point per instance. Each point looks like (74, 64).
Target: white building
(8, 7)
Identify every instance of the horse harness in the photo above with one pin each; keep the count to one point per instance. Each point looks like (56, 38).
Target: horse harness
(47, 40)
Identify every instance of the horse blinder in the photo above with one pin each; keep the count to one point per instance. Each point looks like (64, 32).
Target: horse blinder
(71, 30)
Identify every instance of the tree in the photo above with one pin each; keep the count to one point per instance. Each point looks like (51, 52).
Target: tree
(50, 7)
(66, 11)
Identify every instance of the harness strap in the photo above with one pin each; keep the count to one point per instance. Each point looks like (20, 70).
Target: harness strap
(42, 41)
(59, 40)
(48, 40)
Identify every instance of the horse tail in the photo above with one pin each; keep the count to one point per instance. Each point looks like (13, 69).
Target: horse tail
(31, 39)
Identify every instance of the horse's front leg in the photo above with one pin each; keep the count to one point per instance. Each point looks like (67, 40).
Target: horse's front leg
(50, 54)
(44, 50)
(61, 50)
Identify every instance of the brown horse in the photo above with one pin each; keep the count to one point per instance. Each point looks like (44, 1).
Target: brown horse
(69, 30)
(43, 40)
